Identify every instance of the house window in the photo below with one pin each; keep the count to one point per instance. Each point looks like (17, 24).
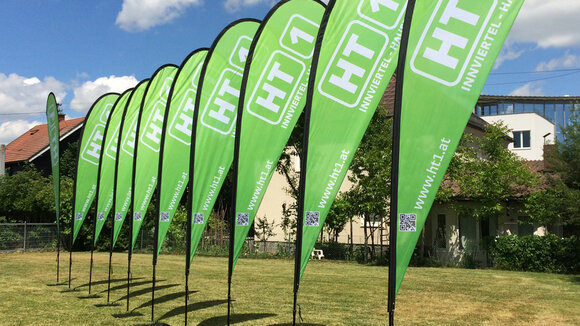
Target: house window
(522, 139)
(440, 238)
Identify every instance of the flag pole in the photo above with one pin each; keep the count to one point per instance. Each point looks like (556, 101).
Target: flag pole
(92, 249)
(129, 259)
(155, 244)
(300, 215)
(395, 163)
(110, 258)
(71, 249)
(187, 256)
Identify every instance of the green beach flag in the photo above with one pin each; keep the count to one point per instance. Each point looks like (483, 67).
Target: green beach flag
(217, 99)
(353, 65)
(106, 175)
(52, 122)
(272, 100)
(125, 154)
(149, 131)
(452, 47)
(176, 140)
(54, 142)
(88, 158)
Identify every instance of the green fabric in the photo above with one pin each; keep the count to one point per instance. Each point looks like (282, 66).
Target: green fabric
(54, 142)
(108, 160)
(89, 156)
(174, 173)
(357, 58)
(149, 131)
(217, 101)
(275, 95)
(452, 48)
(124, 171)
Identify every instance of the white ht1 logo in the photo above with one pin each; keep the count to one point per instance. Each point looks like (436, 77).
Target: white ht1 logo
(220, 111)
(449, 40)
(181, 126)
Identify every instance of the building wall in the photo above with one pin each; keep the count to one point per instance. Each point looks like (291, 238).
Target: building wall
(538, 127)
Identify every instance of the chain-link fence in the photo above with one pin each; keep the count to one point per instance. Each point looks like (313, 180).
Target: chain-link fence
(27, 236)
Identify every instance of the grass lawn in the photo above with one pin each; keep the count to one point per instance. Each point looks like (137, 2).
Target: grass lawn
(331, 293)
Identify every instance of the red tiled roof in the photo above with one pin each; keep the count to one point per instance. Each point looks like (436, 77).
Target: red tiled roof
(35, 140)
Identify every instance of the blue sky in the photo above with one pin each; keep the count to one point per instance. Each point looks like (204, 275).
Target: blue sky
(83, 49)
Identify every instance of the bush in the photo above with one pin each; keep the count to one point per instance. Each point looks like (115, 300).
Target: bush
(536, 253)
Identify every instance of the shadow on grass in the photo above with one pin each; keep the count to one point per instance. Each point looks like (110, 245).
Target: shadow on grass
(128, 314)
(165, 298)
(90, 296)
(301, 324)
(234, 319)
(192, 307)
(110, 304)
(146, 290)
(124, 286)
(58, 284)
(117, 280)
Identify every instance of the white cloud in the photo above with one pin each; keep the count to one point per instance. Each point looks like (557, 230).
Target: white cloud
(236, 5)
(13, 129)
(529, 89)
(140, 15)
(508, 52)
(567, 61)
(23, 95)
(86, 94)
(548, 23)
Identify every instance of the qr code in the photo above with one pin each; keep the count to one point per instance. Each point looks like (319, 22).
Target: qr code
(198, 218)
(137, 216)
(79, 216)
(101, 216)
(119, 217)
(164, 216)
(243, 219)
(408, 222)
(312, 219)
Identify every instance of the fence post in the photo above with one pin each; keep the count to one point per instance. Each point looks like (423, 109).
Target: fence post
(25, 236)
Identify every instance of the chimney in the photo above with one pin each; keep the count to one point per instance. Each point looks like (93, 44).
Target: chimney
(61, 117)
(2, 158)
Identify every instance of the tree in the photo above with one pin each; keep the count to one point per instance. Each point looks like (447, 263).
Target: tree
(339, 214)
(484, 170)
(371, 177)
(264, 230)
(558, 201)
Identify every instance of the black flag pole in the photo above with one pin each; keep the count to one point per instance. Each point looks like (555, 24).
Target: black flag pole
(304, 157)
(72, 227)
(110, 258)
(155, 246)
(92, 249)
(129, 259)
(187, 259)
(395, 162)
(300, 215)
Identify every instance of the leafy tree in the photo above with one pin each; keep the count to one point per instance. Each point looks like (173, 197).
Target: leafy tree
(486, 171)
(566, 158)
(371, 176)
(558, 201)
(264, 230)
(339, 214)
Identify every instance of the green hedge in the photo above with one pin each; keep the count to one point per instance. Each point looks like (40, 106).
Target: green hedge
(536, 253)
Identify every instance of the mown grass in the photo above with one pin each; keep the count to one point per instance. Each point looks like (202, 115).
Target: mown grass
(331, 293)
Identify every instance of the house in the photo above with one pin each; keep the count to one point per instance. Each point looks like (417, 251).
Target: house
(33, 147)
